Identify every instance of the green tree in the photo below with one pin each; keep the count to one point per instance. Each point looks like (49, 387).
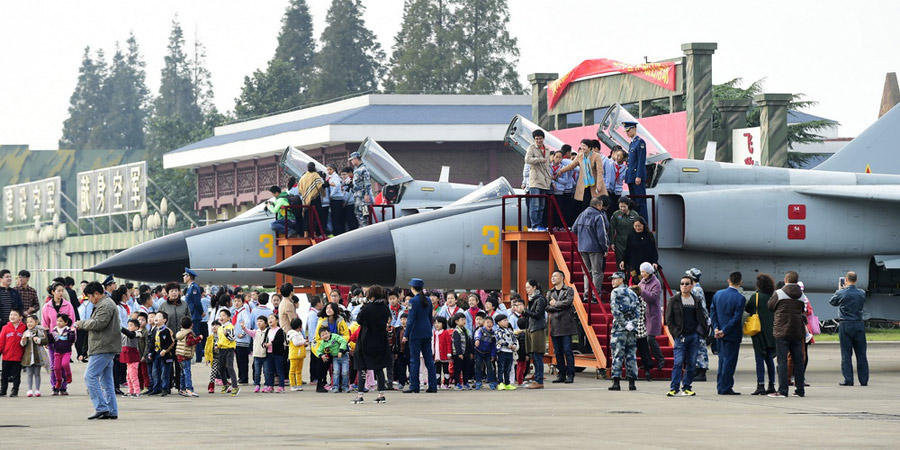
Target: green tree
(487, 53)
(87, 106)
(277, 89)
(295, 40)
(127, 96)
(798, 133)
(351, 60)
(422, 60)
(177, 94)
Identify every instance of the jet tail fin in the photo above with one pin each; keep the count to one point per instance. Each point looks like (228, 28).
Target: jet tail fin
(876, 150)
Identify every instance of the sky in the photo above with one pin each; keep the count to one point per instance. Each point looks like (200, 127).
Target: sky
(835, 52)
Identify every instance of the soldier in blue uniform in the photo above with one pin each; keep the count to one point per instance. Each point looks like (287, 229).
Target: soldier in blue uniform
(636, 172)
(192, 296)
(623, 336)
(361, 189)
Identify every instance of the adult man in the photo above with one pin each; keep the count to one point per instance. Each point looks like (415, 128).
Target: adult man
(593, 243)
(362, 189)
(192, 296)
(725, 313)
(27, 293)
(636, 175)
(335, 200)
(276, 206)
(687, 323)
(104, 343)
(623, 338)
(175, 309)
(9, 297)
(852, 334)
(789, 331)
(109, 285)
(562, 326)
(312, 321)
(419, 325)
(702, 364)
(538, 159)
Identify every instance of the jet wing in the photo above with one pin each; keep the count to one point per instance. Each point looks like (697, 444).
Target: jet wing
(882, 193)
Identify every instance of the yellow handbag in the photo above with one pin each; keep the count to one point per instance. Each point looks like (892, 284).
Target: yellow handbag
(752, 326)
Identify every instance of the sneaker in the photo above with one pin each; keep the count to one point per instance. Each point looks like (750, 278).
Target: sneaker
(688, 393)
(279, 390)
(478, 387)
(671, 393)
(501, 387)
(30, 393)
(138, 395)
(459, 387)
(63, 392)
(212, 390)
(467, 386)
(777, 394)
(236, 391)
(510, 387)
(299, 388)
(225, 389)
(55, 393)
(493, 387)
(256, 389)
(380, 399)
(358, 400)
(795, 394)
(193, 394)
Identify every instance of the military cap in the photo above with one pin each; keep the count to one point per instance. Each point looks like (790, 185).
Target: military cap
(417, 283)
(353, 155)
(629, 124)
(190, 272)
(110, 279)
(617, 275)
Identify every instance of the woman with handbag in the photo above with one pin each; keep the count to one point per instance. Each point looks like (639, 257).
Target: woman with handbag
(764, 341)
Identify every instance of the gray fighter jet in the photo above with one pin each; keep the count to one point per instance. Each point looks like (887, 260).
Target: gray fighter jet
(246, 242)
(720, 217)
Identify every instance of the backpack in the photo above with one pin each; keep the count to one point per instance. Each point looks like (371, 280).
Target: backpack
(294, 200)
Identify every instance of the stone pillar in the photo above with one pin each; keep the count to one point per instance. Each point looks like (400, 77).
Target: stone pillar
(732, 115)
(698, 97)
(539, 83)
(773, 130)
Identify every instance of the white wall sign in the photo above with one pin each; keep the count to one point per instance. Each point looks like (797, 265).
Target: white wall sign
(746, 146)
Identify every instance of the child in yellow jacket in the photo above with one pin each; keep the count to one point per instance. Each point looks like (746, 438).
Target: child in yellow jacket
(296, 354)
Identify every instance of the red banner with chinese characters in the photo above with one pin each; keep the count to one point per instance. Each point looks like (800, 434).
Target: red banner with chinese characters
(660, 74)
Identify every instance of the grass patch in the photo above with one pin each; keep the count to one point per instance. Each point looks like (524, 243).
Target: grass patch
(871, 335)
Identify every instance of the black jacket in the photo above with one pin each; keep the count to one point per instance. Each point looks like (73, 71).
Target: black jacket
(675, 316)
(640, 248)
(537, 305)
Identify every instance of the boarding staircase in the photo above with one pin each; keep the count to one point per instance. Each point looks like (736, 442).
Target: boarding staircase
(595, 316)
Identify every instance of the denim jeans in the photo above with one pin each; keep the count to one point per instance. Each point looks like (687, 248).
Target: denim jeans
(274, 365)
(98, 377)
(278, 226)
(482, 362)
(504, 364)
(762, 363)
(421, 347)
(685, 353)
(538, 360)
(258, 364)
(341, 375)
(186, 382)
(160, 374)
(565, 358)
(852, 335)
(536, 208)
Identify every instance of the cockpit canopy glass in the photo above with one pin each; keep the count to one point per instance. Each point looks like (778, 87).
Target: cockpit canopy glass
(493, 190)
(611, 133)
(519, 136)
(383, 168)
(295, 162)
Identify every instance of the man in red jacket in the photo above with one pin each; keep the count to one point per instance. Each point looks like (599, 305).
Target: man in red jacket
(11, 350)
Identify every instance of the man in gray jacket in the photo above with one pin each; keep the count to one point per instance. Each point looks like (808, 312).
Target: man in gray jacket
(105, 344)
(562, 326)
(593, 242)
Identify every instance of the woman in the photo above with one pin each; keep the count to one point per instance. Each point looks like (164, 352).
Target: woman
(56, 304)
(590, 176)
(651, 296)
(310, 188)
(764, 341)
(640, 333)
(536, 335)
(640, 248)
(621, 226)
(372, 351)
(330, 318)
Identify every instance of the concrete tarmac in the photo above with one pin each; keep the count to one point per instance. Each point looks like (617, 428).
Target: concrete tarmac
(580, 415)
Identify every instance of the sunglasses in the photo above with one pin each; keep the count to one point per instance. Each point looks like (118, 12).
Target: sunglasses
(685, 284)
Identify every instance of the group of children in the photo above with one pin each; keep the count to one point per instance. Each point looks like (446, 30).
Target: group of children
(27, 346)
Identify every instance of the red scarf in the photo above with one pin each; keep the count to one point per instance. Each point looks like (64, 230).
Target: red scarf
(235, 316)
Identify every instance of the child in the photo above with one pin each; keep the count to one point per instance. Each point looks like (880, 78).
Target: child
(226, 344)
(441, 339)
(32, 341)
(61, 339)
(131, 357)
(275, 347)
(141, 333)
(185, 343)
(334, 347)
(474, 309)
(462, 353)
(520, 331)
(507, 344)
(400, 351)
(260, 352)
(485, 353)
(296, 353)
(211, 353)
(12, 350)
(161, 356)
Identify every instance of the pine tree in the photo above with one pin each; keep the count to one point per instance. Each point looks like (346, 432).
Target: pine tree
(422, 60)
(127, 96)
(295, 41)
(86, 105)
(488, 54)
(350, 60)
(176, 90)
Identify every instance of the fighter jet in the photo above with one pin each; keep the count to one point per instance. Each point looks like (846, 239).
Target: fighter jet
(246, 242)
(720, 217)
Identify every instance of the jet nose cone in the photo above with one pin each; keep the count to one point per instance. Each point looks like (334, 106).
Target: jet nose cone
(159, 260)
(365, 256)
